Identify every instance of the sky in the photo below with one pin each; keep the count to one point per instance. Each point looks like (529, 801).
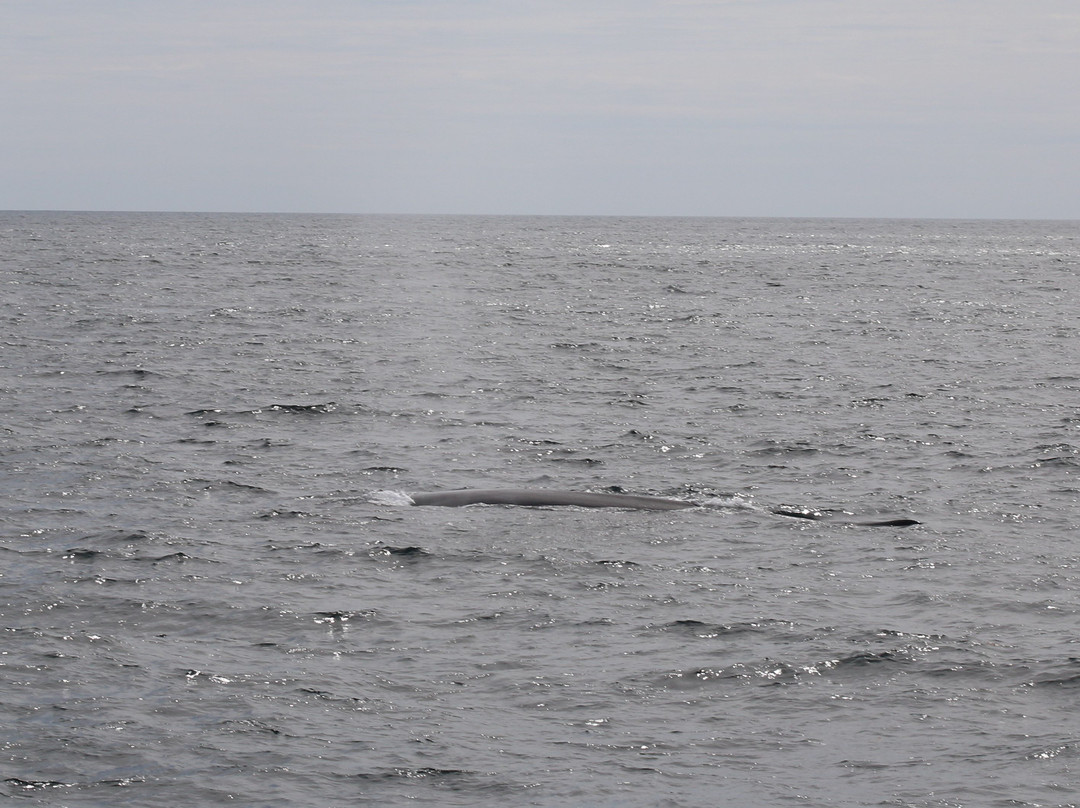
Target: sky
(861, 108)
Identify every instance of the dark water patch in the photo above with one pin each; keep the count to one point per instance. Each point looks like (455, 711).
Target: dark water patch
(704, 630)
(219, 424)
(109, 540)
(571, 456)
(362, 704)
(37, 785)
(205, 413)
(865, 658)
(203, 484)
(285, 514)
(951, 665)
(249, 726)
(619, 564)
(411, 551)
(874, 403)
(699, 678)
(218, 415)
(136, 373)
(1058, 449)
(438, 776)
(261, 444)
(1069, 749)
(1065, 462)
(771, 672)
(602, 586)
(484, 617)
(141, 411)
(302, 409)
(104, 581)
(1064, 676)
(581, 347)
(892, 632)
(772, 448)
(631, 400)
(169, 558)
(337, 617)
(318, 548)
(83, 554)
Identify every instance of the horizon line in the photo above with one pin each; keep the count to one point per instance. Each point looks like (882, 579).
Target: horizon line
(236, 212)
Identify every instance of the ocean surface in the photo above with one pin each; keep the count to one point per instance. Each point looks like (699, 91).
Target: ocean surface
(213, 589)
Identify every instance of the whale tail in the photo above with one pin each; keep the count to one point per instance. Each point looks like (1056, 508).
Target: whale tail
(889, 523)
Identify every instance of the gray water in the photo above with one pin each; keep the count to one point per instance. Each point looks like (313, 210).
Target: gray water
(203, 599)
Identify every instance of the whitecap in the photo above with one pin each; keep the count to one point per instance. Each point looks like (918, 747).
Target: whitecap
(395, 498)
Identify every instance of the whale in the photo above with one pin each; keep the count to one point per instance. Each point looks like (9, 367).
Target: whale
(547, 497)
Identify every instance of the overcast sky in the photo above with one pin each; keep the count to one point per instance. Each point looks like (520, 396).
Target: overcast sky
(914, 108)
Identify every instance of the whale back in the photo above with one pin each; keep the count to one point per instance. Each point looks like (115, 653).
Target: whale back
(544, 496)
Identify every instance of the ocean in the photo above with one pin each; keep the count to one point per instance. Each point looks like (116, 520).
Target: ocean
(213, 589)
